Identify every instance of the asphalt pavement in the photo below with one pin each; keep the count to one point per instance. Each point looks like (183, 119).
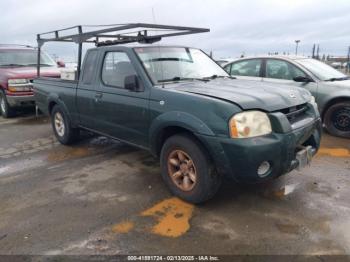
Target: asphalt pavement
(100, 196)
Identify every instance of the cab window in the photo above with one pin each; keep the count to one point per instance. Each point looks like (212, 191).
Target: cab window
(116, 66)
(249, 67)
(89, 67)
(280, 69)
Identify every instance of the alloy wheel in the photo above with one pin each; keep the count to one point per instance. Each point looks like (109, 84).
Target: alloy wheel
(182, 170)
(59, 124)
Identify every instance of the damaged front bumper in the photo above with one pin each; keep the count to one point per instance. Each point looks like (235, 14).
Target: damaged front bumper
(257, 159)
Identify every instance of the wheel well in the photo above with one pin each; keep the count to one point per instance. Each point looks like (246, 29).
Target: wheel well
(332, 102)
(174, 130)
(51, 105)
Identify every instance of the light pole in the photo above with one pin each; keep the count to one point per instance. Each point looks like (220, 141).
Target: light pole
(296, 47)
(348, 62)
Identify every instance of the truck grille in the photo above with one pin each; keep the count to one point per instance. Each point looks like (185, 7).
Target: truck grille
(294, 113)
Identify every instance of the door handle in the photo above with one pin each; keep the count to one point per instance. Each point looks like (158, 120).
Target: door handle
(98, 96)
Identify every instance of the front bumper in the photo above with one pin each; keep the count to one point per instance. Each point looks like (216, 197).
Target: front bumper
(20, 101)
(241, 158)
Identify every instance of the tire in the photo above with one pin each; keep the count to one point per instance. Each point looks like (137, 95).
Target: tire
(62, 126)
(5, 108)
(337, 119)
(194, 189)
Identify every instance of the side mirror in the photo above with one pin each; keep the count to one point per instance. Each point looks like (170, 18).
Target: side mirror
(132, 83)
(61, 64)
(303, 79)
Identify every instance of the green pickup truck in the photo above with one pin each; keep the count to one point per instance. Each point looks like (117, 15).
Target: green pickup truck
(186, 110)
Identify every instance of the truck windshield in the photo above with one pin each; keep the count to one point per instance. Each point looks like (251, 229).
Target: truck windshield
(321, 70)
(23, 58)
(166, 64)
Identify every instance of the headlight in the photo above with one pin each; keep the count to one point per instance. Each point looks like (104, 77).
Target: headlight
(19, 85)
(249, 124)
(17, 81)
(312, 100)
(20, 88)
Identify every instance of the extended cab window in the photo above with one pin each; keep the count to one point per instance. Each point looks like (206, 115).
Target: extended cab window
(89, 67)
(280, 69)
(116, 66)
(249, 67)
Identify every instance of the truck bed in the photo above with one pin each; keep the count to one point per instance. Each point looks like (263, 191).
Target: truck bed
(46, 89)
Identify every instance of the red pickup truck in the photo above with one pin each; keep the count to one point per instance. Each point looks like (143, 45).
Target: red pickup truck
(17, 71)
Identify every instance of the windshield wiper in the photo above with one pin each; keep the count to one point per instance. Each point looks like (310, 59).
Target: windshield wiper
(217, 76)
(204, 79)
(177, 78)
(337, 79)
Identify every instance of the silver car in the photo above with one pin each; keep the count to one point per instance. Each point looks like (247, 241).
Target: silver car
(330, 87)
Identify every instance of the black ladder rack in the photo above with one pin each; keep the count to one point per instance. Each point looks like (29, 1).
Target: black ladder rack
(113, 35)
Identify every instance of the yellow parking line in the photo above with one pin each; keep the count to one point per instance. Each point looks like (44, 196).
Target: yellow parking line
(336, 152)
(173, 216)
(123, 227)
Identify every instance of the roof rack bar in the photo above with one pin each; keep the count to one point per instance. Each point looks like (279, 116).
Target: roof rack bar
(116, 34)
(82, 37)
(79, 53)
(63, 29)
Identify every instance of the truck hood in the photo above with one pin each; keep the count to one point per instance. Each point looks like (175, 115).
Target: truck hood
(247, 94)
(28, 72)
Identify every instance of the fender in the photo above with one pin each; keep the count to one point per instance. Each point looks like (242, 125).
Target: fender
(343, 95)
(52, 97)
(176, 119)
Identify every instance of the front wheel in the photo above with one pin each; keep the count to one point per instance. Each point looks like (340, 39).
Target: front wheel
(187, 169)
(337, 119)
(5, 109)
(62, 126)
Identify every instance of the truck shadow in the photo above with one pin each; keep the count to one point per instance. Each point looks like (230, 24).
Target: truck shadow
(142, 160)
(234, 193)
(24, 112)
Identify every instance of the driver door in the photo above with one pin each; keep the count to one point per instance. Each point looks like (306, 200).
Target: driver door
(119, 112)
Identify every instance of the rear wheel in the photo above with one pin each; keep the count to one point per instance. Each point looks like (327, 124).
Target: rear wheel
(62, 126)
(187, 169)
(5, 108)
(337, 119)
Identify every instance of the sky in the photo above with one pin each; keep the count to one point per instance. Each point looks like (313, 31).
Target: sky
(250, 27)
